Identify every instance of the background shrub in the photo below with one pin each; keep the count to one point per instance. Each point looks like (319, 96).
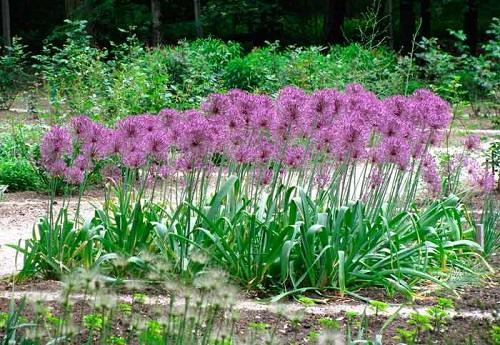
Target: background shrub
(19, 175)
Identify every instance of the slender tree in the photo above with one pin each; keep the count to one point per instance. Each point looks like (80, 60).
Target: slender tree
(471, 24)
(156, 14)
(6, 23)
(425, 14)
(334, 21)
(197, 19)
(406, 24)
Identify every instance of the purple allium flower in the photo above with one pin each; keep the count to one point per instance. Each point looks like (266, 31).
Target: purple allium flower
(472, 142)
(430, 174)
(133, 155)
(168, 117)
(486, 181)
(164, 171)
(292, 115)
(82, 127)
(396, 151)
(431, 109)
(375, 178)
(265, 151)
(108, 144)
(74, 175)
(112, 172)
(149, 124)
(295, 156)
(56, 168)
(216, 104)
(157, 145)
(82, 163)
(323, 106)
(129, 129)
(56, 144)
(265, 177)
(436, 138)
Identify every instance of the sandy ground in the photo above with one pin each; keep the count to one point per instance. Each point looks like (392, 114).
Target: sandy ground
(19, 212)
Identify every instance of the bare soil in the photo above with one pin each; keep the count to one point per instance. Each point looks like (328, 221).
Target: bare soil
(457, 330)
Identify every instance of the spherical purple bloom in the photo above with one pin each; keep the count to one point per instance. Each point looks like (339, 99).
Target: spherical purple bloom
(56, 168)
(74, 175)
(472, 143)
(157, 145)
(430, 174)
(56, 144)
(82, 127)
(396, 151)
(134, 156)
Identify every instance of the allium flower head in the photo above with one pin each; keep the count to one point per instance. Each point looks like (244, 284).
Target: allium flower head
(56, 144)
(82, 127)
(433, 111)
(430, 174)
(74, 175)
(396, 151)
(472, 143)
(167, 117)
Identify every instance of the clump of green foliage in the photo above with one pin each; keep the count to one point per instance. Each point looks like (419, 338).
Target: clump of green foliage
(464, 77)
(18, 157)
(13, 72)
(127, 78)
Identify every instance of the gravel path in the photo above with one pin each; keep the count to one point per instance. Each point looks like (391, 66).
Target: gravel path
(19, 212)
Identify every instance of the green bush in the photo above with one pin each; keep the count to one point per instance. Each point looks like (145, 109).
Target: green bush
(19, 175)
(463, 76)
(18, 157)
(13, 76)
(129, 78)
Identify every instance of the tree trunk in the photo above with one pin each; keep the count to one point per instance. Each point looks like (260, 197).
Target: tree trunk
(406, 24)
(155, 14)
(334, 21)
(425, 13)
(69, 7)
(6, 23)
(388, 15)
(197, 20)
(471, 24)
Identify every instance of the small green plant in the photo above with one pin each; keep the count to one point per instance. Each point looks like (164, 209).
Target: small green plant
(445, 303)
(152, 333)
(19, 175)
(125, 308)
(306, 300)
(406, 336)
(94, 322)
(258, 326)
(313, 336)
(437, 317)
(421, 322)
(140, 298)
(495, 334)
(378, 306)
(3, 320)
(116, 341)
(329, 323)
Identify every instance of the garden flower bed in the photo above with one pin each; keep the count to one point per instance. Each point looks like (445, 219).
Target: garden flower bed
(317, 197)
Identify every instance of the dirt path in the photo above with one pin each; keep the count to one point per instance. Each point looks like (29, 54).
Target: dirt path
(19, 212)
(402, 310)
